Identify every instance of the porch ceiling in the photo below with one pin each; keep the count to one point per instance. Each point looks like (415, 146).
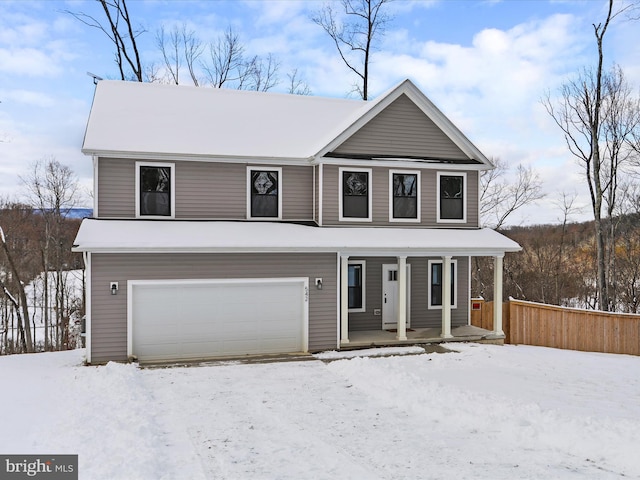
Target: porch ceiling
(130, 236)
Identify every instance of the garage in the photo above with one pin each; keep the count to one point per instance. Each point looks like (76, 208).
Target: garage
(192, 319)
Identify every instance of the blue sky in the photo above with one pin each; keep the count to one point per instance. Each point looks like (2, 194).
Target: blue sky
(485, 64)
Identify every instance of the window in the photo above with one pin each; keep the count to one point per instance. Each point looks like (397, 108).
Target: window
(404, 199)
(435, 283)
(155, 189)
(264, 193)
(356, 276)
(355, 195)
(452, 197)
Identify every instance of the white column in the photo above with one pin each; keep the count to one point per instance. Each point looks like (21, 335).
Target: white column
(344, 299)
(446, 297)
(497, 296)
(401, 301)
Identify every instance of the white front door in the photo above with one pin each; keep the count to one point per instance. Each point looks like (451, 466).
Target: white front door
(390, 296)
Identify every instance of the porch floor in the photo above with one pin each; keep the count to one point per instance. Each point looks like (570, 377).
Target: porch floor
(378, 338)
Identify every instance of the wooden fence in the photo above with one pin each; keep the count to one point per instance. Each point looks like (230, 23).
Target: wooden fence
(529, 323)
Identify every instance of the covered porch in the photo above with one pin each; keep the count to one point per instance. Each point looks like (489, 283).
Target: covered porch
(442, 252)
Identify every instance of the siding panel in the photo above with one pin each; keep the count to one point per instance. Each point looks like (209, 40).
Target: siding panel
(401, 129)
(204, 190)
(109, 312)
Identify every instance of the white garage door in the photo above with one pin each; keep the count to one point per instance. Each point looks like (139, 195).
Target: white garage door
(192, 319)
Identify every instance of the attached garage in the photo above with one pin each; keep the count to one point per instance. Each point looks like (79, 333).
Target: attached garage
(192, 319)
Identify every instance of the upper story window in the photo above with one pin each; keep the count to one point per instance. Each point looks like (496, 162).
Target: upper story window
(355, 195)
(264, 196)
(435, 283)
(404, 196)
(452, 197)
(155, 189)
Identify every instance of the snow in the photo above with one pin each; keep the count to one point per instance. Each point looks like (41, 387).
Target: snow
(153, 236)
(483, 412)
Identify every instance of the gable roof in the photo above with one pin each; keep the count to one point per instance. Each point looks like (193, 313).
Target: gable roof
(147, 120)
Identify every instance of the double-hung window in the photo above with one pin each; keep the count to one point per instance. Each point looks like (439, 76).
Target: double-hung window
(436, 283)
(155, 190)
(356, 278)
(452, 197)
(404, 196)
(355, 194)
(264, 193)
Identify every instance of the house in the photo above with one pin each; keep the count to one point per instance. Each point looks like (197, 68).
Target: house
(231, 222)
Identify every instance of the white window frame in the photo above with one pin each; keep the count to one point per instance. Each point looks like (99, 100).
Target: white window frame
(464, 197)
(455, 285)
(172, 166)
(264, 168)
(363, 266)
(418, 196)
(369, 171)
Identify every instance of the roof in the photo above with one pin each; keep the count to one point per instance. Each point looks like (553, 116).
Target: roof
(134, 117)
(181, 236)
(148, 120)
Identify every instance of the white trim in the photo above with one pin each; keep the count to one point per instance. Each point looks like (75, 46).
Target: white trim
(339, 302)
(314, 216)
(176, 157)
(418, 219)
(401, 163)
(363, 264)
(95, 161)
(320, 193)
(464, 197)
(303, 281)
(172, 193)
(469, 293)
(87, 306)
(251, 168)
(369, 173)
(343, 296)
(454, 262)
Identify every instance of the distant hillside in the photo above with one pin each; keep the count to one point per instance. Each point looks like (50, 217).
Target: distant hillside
(76, 212)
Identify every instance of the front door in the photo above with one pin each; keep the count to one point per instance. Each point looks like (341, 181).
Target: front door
(390, 296)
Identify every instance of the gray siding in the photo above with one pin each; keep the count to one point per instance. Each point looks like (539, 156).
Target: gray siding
(401, 129)
(116, 188)
(204, 190)
(380, 200)
(109, 312)
(421, 315)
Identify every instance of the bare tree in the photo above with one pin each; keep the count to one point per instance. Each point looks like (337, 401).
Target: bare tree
(296, 85)
(581, 114)
(226, 59)
(262, 74)
(24, 330)
(122, 34)
(365, 21)
(179, 46)
(499, 197)
(53, 190)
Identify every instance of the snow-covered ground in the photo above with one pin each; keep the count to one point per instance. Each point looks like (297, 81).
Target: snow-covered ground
(486, 412)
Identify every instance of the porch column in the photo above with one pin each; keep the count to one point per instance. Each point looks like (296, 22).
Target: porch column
(497, 295)
(344, 299)
(446, 297)
(402, 299)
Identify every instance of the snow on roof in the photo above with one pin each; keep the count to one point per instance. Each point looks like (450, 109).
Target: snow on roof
(147, 118)
(120, 236)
